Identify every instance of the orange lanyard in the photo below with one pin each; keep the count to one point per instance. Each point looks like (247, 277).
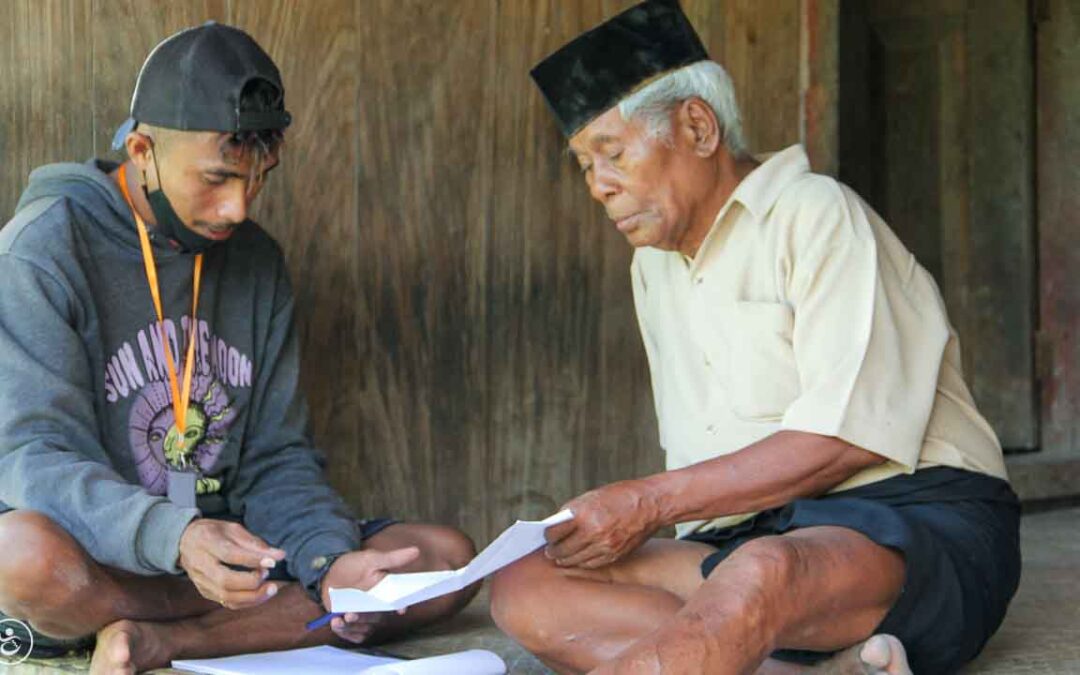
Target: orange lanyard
(180, 397)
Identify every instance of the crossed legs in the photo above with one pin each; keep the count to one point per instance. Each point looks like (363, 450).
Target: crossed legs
(822, 589)
(47, 579)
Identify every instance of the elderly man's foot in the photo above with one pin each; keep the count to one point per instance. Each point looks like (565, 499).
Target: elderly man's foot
(127, 647)
(880, 655)
(884, 655)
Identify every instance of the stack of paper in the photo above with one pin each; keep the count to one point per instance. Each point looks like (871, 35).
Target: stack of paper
(333, 661)
(398, 591)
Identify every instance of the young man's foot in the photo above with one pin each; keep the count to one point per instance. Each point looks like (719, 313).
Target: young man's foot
(127, 647)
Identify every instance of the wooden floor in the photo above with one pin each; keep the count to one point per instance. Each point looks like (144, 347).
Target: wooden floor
(1041, 633)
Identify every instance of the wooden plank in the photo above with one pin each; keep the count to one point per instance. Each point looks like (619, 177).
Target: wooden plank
(570, 405)
(45, 84)
(310, 207)
(1000, 279)
(1058, 146)
(424, 164)
(760, 49)
(124, 32)
(819, 82)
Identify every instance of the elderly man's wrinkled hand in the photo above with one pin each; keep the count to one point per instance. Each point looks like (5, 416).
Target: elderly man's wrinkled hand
(608, 523)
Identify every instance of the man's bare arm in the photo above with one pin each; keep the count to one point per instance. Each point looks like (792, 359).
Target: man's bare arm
(785, 466)
(613, 520)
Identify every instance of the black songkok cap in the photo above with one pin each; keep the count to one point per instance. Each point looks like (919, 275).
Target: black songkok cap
(592, 73)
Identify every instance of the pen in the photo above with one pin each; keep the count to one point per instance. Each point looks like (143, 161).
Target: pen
(321, 621)
(326, 618)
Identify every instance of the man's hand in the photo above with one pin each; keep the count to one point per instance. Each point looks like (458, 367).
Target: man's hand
(362, 569)
(208, 546)
(608, 523)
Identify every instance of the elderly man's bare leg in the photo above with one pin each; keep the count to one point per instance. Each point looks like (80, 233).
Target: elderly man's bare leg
(144, 622)
(819, 588)
(574, 619)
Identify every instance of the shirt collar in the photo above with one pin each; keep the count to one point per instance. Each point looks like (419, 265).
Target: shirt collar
(757, 192)
(762, 186)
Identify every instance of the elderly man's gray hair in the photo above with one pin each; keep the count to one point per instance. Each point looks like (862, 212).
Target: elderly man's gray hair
(706, 80)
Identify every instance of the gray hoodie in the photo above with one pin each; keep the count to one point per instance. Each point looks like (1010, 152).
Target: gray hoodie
(84, 393)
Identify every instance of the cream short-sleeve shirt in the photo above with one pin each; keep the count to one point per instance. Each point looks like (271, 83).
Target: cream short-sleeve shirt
(803, 311)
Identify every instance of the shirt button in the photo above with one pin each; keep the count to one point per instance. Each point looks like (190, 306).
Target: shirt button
(711, 429)
(698, 280)
(705, 358)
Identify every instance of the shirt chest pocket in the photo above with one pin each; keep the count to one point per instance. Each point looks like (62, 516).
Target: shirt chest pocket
(761, 374)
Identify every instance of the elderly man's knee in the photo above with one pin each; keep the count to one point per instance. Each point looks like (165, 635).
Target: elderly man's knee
(521, 601)
(41, 561)
(756, 574)
(769, 560)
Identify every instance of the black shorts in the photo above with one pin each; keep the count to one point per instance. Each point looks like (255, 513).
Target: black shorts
(959, 534)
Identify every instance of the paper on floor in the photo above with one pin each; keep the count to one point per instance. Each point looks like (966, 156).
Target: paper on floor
(333, 661)
(471, 662)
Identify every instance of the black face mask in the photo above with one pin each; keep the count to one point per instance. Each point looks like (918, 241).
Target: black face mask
(169, 224)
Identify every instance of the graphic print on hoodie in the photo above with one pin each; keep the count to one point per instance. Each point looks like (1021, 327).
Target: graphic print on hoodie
(139, 370)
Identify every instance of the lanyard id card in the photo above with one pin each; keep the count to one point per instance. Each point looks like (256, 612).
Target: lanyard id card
(182, 487)
(183, 471)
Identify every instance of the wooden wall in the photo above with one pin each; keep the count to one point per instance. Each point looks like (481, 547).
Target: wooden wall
(470, 348)
(935, 94)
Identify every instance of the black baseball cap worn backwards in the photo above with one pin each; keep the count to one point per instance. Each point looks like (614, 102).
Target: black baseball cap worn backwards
(593, 72)
(193, 81)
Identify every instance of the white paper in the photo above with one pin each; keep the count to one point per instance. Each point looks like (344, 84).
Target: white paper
(471, 662)
(327, 660)
(334, 661)
(398, 591)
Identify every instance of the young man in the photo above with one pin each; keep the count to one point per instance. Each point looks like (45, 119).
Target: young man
(827, 469)
(158, 482)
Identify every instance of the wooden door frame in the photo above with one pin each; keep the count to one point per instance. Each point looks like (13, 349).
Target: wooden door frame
(1052, 471)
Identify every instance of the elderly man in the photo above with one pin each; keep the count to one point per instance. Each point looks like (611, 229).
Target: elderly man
(158, 485)
(828, 472)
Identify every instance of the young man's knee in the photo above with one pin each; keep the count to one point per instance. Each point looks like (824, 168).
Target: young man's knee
(42, 564)
(446, 548)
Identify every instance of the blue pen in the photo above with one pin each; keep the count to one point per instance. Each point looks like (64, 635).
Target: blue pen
(321, 621)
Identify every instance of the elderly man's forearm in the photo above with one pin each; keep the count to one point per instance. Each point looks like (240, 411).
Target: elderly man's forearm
(772, 472)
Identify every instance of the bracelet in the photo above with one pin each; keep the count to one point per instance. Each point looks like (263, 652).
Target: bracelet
(321, 564)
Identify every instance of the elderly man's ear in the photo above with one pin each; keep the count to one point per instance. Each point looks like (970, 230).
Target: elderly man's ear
(698, 127)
